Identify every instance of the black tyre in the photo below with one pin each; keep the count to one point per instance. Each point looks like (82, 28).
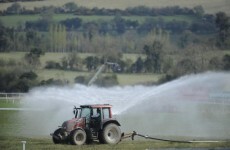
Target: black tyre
(111, 134)
(59, 136)
(89, 139)
(100, 137)
(78, 137)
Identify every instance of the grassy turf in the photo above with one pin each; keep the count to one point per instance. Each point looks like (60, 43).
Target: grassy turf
(14, 143)
(9, 103)
(44, 74)
(10, 123)
(18, 56)
(15, 20)
(129, 79)
(123, 79)
(57, 57)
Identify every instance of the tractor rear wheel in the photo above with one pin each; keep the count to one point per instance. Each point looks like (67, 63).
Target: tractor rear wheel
(78, 137)
(111, 134)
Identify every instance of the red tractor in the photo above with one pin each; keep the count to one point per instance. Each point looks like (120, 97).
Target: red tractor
(91, 122)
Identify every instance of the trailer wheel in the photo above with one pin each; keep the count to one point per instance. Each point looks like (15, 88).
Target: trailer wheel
(111, 134)
(78, 137)
(59, 136)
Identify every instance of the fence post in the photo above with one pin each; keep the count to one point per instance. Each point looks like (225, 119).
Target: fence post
(7, 98)
(23, 145)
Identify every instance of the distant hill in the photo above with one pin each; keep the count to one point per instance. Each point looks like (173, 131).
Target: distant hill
(210, 6)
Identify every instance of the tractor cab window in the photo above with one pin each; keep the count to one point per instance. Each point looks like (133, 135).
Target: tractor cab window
(96, 112)
(85, 112)
(106, 113)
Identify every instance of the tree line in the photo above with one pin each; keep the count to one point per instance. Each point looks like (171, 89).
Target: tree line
(73, 35)
(172, 48)
(119, 25)
(72, 7)
(10, 1)
(21, 76)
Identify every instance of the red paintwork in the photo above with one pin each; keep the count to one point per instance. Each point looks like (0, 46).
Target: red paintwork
(80, 123)
(98, 106)
(103, 106)
(110, 113)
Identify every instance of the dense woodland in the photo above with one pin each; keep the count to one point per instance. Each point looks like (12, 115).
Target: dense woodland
(172, 47)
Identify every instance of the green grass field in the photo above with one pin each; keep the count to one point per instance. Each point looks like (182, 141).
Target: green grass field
(15, 20)
(123, 79)
(14, 143)
(44, 74)
(10, 139)
(9, 103)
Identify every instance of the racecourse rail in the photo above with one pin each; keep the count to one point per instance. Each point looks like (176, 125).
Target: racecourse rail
(14, 98)
(11, 97)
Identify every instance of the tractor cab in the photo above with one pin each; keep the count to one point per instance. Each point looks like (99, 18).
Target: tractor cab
(90, 122)
(93, 115)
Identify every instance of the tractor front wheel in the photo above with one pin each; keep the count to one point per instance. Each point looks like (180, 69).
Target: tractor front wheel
(78, 137)
(111, 134)
(59, 136)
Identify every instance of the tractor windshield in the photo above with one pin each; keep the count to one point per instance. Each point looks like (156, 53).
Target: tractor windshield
(85, 112)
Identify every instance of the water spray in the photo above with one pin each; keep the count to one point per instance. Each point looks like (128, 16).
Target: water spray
(192, 106)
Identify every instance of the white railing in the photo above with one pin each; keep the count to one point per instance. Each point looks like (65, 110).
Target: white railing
(11, 97)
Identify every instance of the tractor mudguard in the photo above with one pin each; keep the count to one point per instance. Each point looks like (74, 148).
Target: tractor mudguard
(78, 128)
(105, 122)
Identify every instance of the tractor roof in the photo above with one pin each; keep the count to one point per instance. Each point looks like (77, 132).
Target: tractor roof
(96, 106)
